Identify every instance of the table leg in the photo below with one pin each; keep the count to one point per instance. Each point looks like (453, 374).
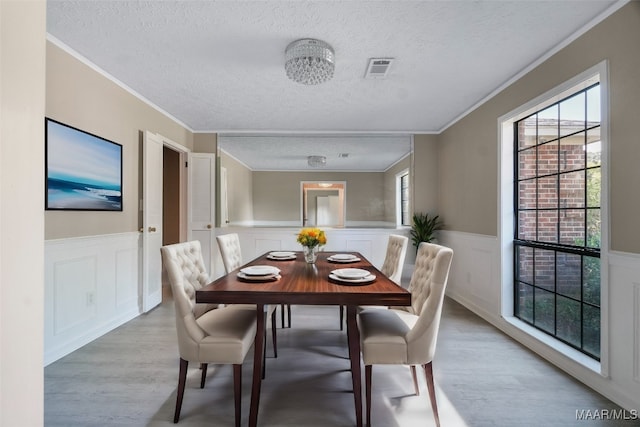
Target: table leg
(353, 335)
(257, 366)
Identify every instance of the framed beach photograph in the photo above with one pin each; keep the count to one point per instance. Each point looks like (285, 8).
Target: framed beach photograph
(83, 171)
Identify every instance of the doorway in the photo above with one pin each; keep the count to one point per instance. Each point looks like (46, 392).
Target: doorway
(323, 203)
(173, 214)
(170, 196)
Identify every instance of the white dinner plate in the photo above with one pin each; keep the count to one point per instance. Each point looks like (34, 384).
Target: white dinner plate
(342, 257)
(260, 270)
(265, 278)
(277, 258)
(359, 281)
(278, 254)
(351, 273)
(343, 261)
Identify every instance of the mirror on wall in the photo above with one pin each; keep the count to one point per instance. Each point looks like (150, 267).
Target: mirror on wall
(272, 180)
(341, 152)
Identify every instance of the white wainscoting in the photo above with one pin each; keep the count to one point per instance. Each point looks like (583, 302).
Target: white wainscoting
(475, 282)
(91, 287)
(255, 241)
(474, 276)
(624, 323)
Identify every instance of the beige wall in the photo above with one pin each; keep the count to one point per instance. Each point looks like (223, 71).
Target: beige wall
(239, 190)
(424, 179)
(468, 151)
(22, 79)
(205, 142)
(81, 97)
(277, 195)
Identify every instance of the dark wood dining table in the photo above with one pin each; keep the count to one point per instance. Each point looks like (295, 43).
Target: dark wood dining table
(306, 284)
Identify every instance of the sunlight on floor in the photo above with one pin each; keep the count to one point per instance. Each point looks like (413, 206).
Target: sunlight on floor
(409, 410)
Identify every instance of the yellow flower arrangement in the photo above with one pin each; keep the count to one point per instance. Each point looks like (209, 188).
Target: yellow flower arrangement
(311, 237)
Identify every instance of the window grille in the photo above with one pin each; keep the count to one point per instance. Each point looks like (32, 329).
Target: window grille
(557, 232)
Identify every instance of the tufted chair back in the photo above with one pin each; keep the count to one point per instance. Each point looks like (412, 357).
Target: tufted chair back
(205, 335)
(229, 245)
(184, 265)
(394, 259)
(427, 288)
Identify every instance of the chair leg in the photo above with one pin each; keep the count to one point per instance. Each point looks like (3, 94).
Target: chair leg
(289, 314)
(367, 392)
(237, 390)
(348, 348)
(415, 380)
(203, 367)
(264, 350)
(282, 315)
(182, 378)
(264, 362)
(428, 370)
(341, 317)
(273, 334)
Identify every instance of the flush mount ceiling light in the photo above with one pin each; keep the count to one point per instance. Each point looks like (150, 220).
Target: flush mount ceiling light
(309, 61)
(316, 161)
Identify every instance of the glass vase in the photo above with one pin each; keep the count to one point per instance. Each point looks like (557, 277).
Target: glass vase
(310, 254)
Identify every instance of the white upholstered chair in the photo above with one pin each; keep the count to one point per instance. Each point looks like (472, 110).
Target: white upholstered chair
(408, 335)
(393, 262)
(206, 334)
(394, 258)
(230, 251)
(231, 254)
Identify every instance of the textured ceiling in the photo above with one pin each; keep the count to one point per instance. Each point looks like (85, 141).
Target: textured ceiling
(217, 66)
(343, 152)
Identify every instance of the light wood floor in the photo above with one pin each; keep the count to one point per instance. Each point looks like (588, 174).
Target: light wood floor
(483, 378)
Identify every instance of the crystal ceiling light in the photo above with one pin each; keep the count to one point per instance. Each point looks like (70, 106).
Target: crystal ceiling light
(309, 61)
(316, 161)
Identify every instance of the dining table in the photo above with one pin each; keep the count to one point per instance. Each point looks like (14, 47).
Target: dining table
(299, 282)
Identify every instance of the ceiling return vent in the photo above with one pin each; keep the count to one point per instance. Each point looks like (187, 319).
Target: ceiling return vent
(378, 68)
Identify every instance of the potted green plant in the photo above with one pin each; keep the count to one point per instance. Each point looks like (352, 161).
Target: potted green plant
(423, 228)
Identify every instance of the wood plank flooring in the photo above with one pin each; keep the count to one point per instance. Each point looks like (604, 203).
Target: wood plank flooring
(483, 378)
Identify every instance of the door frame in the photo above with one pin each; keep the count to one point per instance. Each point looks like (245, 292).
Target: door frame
(306, 186)
(183, 152)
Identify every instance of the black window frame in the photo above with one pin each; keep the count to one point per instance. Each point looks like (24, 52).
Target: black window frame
(559, 249)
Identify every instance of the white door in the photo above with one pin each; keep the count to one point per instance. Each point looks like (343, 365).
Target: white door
(334, 208)
(323, 212)
(328, 211)
(151, 221)
(202, 212)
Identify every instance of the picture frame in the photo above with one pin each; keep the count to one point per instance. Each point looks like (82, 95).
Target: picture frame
(83, 171)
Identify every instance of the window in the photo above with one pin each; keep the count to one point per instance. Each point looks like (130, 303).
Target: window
(557, 233)
(404, 218)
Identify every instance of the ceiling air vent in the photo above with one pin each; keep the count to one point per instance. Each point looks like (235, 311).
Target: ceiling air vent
(378, 68)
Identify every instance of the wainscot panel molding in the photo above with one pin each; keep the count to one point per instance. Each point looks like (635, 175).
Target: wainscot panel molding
(473, 278)
(255, 241)
(91, 287)
(624, 320)
(475, 282)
